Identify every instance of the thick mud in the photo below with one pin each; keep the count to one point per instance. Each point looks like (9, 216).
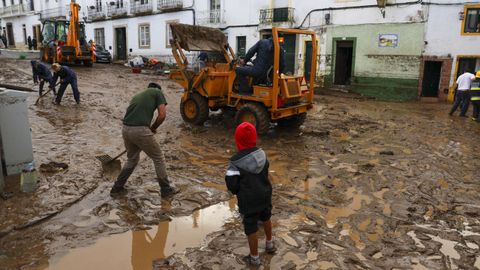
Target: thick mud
(362, 185)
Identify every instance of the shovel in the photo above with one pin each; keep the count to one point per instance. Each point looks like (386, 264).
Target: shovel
(106, 159)
(50, 89)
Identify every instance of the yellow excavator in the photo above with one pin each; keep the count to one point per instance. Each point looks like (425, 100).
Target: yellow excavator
(64, 41)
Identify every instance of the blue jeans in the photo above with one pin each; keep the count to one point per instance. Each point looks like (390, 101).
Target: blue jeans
(62, 88)
(461, 98)
(242, 73)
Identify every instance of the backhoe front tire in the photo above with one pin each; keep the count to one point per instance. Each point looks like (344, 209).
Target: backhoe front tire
(194, 110)
(256, 114)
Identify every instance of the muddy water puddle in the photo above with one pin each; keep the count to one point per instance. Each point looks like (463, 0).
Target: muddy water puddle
(137, 249)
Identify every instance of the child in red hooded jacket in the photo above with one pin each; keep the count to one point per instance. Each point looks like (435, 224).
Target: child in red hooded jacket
(247, 178)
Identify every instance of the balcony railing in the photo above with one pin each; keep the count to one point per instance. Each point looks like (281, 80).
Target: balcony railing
(169, 4)
(58, 12)
(276, 15)
(137, 7)
(115, 11)
(15, 10)
(96, 13)
(211, 17)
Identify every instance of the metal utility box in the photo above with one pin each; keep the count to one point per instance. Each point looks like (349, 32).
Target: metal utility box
(15, 138)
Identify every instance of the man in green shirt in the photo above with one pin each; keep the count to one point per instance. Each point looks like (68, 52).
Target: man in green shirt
(137, 134)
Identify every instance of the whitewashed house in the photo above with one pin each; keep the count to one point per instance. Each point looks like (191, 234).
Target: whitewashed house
(389, 49)
(451, 45)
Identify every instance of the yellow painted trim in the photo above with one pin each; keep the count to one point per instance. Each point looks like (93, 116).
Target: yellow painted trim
(465, 8)
(457, 60)
(452, 87)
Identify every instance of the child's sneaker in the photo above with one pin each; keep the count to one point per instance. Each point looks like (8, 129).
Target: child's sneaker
(270, 247)
(249, 260)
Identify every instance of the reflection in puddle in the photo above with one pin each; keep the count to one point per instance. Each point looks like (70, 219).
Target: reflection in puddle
(354, 236)
(325, 265)
(137, 249)
(334, 213)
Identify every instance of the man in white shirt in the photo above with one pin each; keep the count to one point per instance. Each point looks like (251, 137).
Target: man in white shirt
(462, 96)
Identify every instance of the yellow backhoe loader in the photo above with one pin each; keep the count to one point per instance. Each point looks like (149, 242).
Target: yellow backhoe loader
(281, 99)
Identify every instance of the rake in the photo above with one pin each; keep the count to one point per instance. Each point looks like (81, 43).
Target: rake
(105, 159)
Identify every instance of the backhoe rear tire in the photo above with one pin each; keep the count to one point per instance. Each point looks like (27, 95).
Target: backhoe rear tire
(256, 114)
(293, 121)
(194, 110)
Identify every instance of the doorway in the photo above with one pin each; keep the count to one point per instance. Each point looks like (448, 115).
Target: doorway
(121, 43)
(307, 66)
(431, 78)
(11, 40)
(25, 39)
(289, 47)
(466, 65)
(343, 62)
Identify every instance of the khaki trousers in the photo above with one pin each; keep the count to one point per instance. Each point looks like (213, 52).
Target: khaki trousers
(137, 139)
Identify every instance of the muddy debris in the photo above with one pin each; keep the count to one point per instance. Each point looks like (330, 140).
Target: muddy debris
(356, 187)
(53, 167)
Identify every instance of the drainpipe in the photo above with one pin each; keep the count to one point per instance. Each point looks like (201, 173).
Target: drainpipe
(192, 9)
(356, 7)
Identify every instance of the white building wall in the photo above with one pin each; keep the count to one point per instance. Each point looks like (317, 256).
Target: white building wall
(443, 35)
(158, 36)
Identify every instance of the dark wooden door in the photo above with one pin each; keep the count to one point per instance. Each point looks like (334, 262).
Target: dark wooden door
(11, 40)
(289, 47)
(466, 65)
(308, 60)
(343, 62)
(431, 78)
(121, 43)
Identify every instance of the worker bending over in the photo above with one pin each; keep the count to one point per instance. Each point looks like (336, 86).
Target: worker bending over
(67, 76)
(137, 133)
(475, 97)
(264, 51)
(42, 73)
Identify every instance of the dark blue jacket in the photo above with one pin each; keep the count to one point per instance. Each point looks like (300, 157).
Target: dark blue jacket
(264, 60)
(247, 177)
(40, 71)
(66, 74)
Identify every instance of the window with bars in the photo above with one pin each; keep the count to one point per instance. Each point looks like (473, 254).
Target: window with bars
(144, 36)
(98, 5)
(214, 4)
(241, 46)
(99, 35)
(168, 32)
(472, 20)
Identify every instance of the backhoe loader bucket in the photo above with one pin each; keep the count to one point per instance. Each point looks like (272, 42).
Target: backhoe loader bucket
(198, 38)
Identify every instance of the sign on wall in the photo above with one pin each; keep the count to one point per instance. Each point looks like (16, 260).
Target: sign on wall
(387, 40)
